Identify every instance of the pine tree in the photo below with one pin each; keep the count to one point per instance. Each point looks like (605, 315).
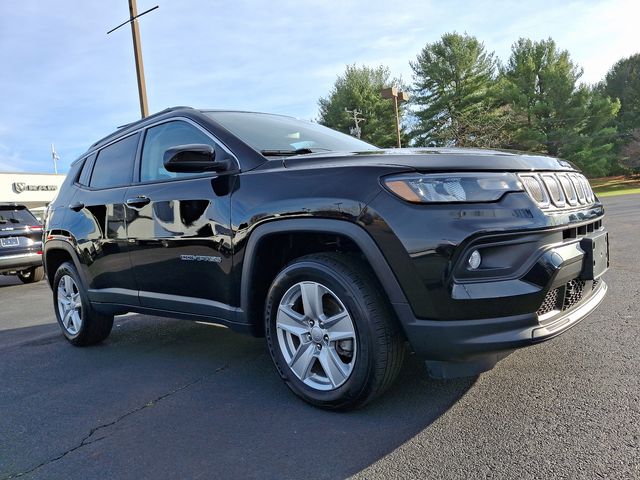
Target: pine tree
(452, 92)
(552, 112)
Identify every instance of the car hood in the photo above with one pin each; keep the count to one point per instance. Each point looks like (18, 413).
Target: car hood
(432, 159)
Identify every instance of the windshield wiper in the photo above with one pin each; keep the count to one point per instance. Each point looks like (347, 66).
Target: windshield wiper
(284, 153)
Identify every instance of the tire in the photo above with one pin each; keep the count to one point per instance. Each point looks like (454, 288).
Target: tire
(354, 350)
(31, 275)
(83, 325)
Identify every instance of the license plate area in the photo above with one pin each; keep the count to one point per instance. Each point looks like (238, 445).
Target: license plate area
(596, 260)
(9, 242)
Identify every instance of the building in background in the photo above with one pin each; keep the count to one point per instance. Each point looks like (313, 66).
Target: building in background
(35, 190)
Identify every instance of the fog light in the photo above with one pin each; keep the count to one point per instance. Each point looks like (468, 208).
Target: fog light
(474, 260)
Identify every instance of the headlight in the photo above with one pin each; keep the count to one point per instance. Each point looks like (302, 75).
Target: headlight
(458, 187)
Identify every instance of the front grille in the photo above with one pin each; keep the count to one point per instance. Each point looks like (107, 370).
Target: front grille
(573, 293)
(582, 230)
(558, 191)
(550, 302)
(565, 297)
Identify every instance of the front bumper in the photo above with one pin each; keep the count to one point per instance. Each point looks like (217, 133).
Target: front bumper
(563, 286)
(468, 347)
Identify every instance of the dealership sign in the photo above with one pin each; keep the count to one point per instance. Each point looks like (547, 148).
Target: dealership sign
(20, 187)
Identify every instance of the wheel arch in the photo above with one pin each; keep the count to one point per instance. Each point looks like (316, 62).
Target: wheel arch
(56, 252)
(252, 300)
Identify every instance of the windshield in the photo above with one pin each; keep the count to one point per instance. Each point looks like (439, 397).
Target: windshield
(279, 135)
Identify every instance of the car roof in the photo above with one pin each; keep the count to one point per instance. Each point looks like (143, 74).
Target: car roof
(130, 126)
(138, 123)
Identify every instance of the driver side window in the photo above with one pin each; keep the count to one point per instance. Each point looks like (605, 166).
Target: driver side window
(162, 137)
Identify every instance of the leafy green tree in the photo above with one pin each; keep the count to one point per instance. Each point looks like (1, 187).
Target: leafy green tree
(452, 92)
(359, 89)
(623, 82)
(552, 113)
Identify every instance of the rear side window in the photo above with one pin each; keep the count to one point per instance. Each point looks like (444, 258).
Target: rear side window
(10, 216)
(114, 164)
(85, 174)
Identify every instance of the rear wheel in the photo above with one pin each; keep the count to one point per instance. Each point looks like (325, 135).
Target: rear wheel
(31, 275)
(80, 324)
(331, 333)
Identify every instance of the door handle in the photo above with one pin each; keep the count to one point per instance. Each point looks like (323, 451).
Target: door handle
(76, 207)
(138, 202)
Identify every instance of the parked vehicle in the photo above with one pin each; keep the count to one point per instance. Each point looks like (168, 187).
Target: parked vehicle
(20, 243)
(340, 253)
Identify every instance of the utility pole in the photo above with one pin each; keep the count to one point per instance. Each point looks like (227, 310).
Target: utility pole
(398, 97)
(55, 158)
(357, 119)
(137, 52)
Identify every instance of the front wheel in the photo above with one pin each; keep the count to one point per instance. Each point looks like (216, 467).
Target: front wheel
(331, 333)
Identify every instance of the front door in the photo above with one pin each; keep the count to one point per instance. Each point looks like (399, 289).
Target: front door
(178, 228)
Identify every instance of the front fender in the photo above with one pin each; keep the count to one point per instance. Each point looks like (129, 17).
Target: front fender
(309, 225)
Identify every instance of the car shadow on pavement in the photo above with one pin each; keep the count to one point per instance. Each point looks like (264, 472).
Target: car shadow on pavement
(167, 398)
(9, 281)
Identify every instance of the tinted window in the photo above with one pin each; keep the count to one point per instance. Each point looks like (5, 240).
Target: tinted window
(160, 138)
(114, 163)
(85, 174)
(16, 216)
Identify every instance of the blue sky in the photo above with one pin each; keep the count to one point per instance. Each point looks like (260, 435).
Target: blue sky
(63, 80)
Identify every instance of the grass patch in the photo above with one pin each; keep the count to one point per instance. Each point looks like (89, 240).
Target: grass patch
(622, 185)
(618, 192)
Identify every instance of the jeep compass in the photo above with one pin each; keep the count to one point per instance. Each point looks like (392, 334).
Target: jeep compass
(343, 255)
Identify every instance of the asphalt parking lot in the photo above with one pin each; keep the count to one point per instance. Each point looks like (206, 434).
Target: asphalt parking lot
(172, 399)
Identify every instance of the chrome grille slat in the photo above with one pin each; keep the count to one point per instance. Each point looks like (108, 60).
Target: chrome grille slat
(555, 190)
(577, 183)
(535, 188)
(558, 191)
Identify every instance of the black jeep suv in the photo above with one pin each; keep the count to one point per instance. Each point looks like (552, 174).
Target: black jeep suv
(20, 243)
(337, 251)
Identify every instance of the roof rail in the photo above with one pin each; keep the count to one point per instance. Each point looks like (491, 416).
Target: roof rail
(131, 124)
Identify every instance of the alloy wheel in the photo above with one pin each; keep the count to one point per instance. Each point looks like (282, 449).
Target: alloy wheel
(69, 305)
(316, 335)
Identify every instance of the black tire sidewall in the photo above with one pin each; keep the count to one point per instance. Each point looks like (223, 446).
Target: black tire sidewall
(360, 378)
(26, 276)
(30, 275)
(68, 269)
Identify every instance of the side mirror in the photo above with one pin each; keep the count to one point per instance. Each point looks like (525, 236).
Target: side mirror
(193, 158)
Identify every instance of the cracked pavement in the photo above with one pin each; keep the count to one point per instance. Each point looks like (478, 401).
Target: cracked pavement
(166, 398)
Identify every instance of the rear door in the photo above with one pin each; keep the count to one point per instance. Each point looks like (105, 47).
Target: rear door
(179, 227)
(96, 219)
